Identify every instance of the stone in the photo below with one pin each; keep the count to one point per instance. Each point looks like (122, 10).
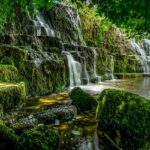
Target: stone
(125, 113)
(82, 100)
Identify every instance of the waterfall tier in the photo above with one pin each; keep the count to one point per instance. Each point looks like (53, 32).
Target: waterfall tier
(143, 52)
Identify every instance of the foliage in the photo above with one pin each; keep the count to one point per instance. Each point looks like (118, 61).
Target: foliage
(129, 14)
(8, 138)
(82, 100)
(127, 113)
(40, 138)
(90, 22)
(8, 73)
(1, 110)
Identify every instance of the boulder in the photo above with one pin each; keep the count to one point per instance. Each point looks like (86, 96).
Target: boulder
(127, 115)
(82, 100)
(61, 113)
(11, 95)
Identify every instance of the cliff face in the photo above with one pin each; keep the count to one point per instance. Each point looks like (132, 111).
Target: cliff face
(35, 45)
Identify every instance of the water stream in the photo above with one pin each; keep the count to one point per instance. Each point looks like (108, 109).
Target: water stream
(74, 70)
(40, 24)
(112, 68)
(143, 52)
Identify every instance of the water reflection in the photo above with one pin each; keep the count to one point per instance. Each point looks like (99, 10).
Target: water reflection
(139, 86)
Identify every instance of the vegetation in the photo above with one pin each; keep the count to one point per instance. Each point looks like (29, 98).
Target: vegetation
(126, 115)
(11, 95)
(40, 138)
(8, 73)
(9, 8)
(132, 16)
(82, 100)
(8, 138)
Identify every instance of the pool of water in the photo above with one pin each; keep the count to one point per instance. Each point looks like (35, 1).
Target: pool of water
(139, 86)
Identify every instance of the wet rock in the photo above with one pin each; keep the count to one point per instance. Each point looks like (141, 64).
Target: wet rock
(61, 113)
(24, 123)
(82, 100)
(95, 79)
(127, 114)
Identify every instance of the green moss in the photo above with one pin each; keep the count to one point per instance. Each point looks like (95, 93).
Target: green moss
(40, 138)
(82, 100)
(8, 73)
(8, 138)
(129, 114)
(1, 110)
(128, 75)
(7, 61)
(12, 95)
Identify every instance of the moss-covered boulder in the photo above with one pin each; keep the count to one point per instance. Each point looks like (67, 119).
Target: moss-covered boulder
(8, 138)
(40, 138)
(127, 113)
(11, 95)
(82, 100)
(8, 73)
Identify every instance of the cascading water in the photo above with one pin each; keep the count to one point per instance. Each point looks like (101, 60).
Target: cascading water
(85, 77)
(74, 70)
(95, 77)
(90, 144)
(141, 52)
(112, 68)
(39, 23)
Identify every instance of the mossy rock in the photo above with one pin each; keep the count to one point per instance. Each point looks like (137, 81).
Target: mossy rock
(82, 100)
(1, 110)
(8, 73)
(8, 138)
(127, 113)
(40, 138)
(11, 95)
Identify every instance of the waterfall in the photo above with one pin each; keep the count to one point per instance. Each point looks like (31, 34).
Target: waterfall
(39, 23)
(112, 67)
(90, 143)
(74, 70)
(141, 52)
(95, 77)
(85, 77)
